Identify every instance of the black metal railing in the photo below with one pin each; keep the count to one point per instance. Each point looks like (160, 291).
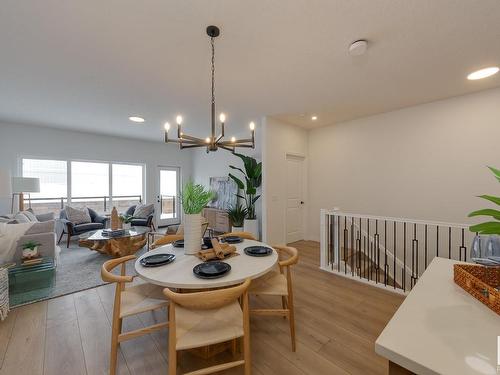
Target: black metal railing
(168, 204)
(388, 251)
(99, 203)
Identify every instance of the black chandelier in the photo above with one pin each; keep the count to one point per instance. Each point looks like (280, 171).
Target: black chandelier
(212, 143)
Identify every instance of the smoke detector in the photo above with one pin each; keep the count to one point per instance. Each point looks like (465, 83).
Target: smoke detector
(358, 47)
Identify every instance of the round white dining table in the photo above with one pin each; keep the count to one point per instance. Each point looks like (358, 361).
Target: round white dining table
(179, 273)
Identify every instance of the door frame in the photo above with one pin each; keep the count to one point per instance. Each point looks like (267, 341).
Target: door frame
(302, 158)
(165, 222)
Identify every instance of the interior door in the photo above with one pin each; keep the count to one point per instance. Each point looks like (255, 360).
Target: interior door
(294, 199)
(167, 196)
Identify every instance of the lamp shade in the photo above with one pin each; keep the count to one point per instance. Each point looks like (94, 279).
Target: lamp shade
(25, 185)
(5, 188)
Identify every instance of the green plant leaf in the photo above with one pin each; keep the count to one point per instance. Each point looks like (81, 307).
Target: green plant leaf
(491, 198)
(238, 181)
(496, 172)
(486, 212)
(238, 169)
(195, 198)
(255, 199)
(490, 227)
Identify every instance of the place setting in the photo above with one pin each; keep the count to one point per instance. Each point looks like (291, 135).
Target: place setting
(157, 260)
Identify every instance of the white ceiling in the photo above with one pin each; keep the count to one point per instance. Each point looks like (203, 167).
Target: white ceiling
(88, 65)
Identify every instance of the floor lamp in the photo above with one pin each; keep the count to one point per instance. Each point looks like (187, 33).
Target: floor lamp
(21, 185)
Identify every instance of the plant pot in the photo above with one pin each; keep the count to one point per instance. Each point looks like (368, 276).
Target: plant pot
(30, 253)
(485, 246)
(126, 225)
(252, 226)
(192, 233)
(236, 229)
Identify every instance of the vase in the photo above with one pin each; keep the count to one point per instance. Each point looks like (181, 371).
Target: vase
(485, 246)
(252, 226)
(493, 246)
(126, 225)
(236, 229)
(192, 233)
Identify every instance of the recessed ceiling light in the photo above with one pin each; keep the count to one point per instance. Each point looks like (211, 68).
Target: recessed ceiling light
(314, 118)
(483, 73)
(136, 119)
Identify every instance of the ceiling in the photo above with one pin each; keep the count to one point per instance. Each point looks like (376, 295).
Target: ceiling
(89, 65)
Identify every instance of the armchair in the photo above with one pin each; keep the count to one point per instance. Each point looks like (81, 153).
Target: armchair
(71, 229)
(141, 222)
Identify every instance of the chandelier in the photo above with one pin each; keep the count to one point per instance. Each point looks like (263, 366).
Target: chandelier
(213, 142)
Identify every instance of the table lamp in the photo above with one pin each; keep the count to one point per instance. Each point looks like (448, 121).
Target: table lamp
(21, 185)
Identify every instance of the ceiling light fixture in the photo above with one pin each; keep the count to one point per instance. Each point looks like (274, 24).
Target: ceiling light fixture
(483, 73)
(136, 119)
(214, 142)
(358, 47)
(314, 118)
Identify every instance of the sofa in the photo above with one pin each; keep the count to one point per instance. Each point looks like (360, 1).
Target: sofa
(72, 229)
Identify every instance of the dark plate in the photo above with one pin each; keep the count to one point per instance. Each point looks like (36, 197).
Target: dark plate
(178, 243)
(233, 239)
(157, 260)
(258, 251)
(211, 270)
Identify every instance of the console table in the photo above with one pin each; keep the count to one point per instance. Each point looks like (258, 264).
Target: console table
(218, 220)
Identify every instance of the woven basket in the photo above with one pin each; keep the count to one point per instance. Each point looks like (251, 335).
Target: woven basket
(481, 282)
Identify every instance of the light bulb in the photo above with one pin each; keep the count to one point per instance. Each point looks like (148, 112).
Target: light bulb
(136, 119)
(483, 73)
(178, 119)
(222, 117)
(167, 126)
(252, 126)
(314, 118)
(233, 139)
(207, 139)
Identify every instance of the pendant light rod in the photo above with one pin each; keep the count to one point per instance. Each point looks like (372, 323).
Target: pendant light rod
(212, 143)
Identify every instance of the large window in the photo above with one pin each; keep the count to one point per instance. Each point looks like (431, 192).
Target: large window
(97, 185)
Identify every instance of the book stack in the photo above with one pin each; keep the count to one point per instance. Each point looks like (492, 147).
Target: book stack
(113, 232)
(32, 261)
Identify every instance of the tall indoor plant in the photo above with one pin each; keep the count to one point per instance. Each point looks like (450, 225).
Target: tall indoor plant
(490, 229)
(194, 198)
(252, 174)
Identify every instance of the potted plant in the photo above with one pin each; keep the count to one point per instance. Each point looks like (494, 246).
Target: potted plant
(194, 198)
(126, 221)
(489, 246)
(30, 249)
(253, 179)
(237, 214)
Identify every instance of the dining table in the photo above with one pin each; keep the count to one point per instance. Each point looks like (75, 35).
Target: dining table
(179, 273)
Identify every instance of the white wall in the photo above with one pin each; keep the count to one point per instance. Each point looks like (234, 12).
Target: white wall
(279, 139)
(424, 162)
(36, 141)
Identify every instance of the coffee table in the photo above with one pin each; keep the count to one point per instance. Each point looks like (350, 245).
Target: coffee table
(131, 241)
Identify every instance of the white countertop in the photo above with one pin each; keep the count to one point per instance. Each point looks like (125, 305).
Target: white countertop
(441, 329)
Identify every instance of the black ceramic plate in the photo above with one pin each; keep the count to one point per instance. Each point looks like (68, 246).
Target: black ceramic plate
(157, 260)
(258, 251)
(233, 239)
(211, 270)
(178, 243)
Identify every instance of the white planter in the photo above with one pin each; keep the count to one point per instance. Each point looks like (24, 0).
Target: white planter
(252, 226)
(126, 225)
(236, 229)
(29, 253)
(192, 233)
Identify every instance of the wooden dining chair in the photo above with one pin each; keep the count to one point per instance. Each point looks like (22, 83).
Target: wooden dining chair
(279, 283)
(165, 240)
(139, 298)
(245, 235)
(204, 318)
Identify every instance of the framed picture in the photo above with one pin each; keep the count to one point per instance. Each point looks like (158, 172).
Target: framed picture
(225, 191)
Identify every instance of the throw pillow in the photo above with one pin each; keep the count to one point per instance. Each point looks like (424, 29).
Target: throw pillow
(78, 216)
(142, 211)
(21, 218)
(30, 215)
(43, 227)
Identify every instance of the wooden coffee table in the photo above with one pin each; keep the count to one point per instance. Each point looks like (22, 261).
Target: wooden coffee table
(133, 240)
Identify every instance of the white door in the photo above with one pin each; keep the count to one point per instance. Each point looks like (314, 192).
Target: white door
(167, 196)
(294, 199)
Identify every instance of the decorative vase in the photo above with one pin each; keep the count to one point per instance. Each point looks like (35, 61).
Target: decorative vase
(192, 233)
(485, 246)
(30, 253)
(236, 229)
(126, 225)
(252, 226)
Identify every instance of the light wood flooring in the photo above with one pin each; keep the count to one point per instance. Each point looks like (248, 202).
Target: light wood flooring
(337, 323)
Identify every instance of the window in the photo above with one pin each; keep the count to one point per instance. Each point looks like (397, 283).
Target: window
(53, 184)
(97, 185)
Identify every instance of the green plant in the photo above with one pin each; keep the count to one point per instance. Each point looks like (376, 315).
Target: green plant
(127, 219)
(31, 245)
(253, 179)
(489, 227)
(237, 214)
(195, 198)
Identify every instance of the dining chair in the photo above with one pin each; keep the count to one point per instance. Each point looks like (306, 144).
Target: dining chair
(245, 235)
(138, 298)
(179, 228)
(205, 318)
(279, 283)
(163, 240)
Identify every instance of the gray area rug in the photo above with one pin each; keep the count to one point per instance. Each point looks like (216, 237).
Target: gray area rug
(79, 269)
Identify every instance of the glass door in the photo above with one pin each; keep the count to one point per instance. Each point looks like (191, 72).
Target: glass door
(167, 197)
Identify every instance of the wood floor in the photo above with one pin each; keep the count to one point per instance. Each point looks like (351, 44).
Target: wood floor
(337, 323)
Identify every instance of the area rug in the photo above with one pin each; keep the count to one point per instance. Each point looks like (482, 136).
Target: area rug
(79, 269)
